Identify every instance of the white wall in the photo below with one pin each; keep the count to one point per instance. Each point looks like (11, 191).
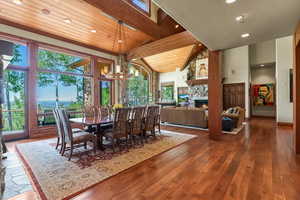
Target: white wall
(263, 75)
(236, 69)
(179, 78)
(284, 62)
(264, 52)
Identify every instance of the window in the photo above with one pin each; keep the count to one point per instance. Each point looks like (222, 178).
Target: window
(61, 82)
(105, 93)
(142, 5)
(138, 86)
(167, 92)
(14, 101)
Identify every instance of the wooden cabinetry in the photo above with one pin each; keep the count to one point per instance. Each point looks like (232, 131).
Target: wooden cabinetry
(233, 95)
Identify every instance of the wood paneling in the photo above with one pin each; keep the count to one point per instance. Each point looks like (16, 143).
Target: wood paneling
(215, 104)
(197, 82)
(233, 95)
(170, 60)
(84, 18)
(195, 52)
(164, 20)
(172, 42)
(296, 103)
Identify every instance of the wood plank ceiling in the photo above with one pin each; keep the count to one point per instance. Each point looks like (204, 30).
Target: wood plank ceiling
(84, 18)
(170, 60)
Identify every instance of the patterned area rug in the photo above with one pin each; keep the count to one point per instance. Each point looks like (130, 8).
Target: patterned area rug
(56, 178)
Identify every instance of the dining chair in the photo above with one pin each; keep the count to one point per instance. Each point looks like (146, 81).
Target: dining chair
(136, 124)
(157, 118)
(74, 140)
(150, 121)
(120, 128)
(90, 112)
(60, 139)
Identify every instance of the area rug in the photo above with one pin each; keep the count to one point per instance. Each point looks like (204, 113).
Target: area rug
(56, 178)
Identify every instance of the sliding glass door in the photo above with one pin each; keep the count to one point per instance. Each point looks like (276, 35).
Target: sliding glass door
(14, 109)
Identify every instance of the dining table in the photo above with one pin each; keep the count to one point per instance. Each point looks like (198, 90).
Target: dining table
(101, 124)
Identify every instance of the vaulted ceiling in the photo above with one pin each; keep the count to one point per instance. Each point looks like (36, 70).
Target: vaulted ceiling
(50, 16)
(170, 60)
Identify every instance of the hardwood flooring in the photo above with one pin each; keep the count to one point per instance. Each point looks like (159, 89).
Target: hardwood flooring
(257, 164)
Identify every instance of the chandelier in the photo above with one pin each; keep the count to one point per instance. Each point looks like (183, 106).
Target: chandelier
(119, 42)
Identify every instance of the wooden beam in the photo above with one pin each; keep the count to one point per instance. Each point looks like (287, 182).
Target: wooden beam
(215, 95)
(169, 43)
(121, 10)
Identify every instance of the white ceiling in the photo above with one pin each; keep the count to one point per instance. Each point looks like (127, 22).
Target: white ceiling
(213, 23)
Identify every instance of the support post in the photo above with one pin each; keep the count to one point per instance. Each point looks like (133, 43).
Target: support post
(215, 99)
(296, 99)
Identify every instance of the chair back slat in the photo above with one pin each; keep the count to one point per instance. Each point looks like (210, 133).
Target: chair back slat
(58, 123)
(150, 118)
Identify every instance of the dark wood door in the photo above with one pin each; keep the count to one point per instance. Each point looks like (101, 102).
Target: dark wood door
(233, 95)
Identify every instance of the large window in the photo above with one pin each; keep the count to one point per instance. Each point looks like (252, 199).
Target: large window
(138, 86)
(105, 93)
(61, 82)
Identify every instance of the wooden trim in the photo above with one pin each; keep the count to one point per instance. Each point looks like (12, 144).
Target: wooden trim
(285, 124)
(165, 84)
(215, 95)
(44, 33)
(296, 100)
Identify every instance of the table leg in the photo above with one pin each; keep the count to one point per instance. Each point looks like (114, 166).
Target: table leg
(100, 138)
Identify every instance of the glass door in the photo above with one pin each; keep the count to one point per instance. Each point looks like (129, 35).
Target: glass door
(14, 109)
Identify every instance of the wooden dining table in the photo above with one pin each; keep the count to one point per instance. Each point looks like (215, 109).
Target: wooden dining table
(100, 123)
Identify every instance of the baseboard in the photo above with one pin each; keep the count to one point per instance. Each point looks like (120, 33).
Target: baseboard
(285, 124)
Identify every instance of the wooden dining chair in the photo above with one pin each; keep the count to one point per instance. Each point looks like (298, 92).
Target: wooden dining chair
(150, 121)
(157, 118)
(60, 139)
(120, 128)
(136, 124)
(74, 140)
(90, 112)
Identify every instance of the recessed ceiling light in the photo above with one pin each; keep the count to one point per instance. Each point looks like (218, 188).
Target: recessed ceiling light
(262, 65)
(245, 35)
(230, 1)
(177, 26)
(67, 20)
(93, 31)
(134, 59)
(240, 18)
(120, 41)
(45, 11)
(18, 2)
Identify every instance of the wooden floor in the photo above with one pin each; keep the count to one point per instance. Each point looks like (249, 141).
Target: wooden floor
(257, 164)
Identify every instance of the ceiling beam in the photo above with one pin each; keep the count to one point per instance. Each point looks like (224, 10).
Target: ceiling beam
(122, 10)
(169, 43)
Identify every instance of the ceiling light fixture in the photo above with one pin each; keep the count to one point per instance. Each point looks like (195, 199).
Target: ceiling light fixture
(245, 35)
(240, 19)
(176, 26)
(93, 31)
(67, 20)
(18, 2)
(230, 1)
(262, 65)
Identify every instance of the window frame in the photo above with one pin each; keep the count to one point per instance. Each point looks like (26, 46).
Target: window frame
(147, 13)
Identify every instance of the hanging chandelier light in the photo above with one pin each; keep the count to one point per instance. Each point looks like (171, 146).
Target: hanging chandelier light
(120, 42)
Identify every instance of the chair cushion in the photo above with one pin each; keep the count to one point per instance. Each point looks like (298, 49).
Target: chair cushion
(82, 137)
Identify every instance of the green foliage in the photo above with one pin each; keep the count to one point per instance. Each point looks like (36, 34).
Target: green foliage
(167, 93)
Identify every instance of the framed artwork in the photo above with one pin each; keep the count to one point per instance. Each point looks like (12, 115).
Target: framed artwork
(202, 68)
(263, 94)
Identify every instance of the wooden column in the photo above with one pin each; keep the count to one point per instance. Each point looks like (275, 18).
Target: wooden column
(296, 97)
(95, 82)
(215, 101)
(31, 90)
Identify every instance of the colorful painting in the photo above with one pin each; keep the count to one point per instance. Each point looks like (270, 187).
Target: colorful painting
(263, 95)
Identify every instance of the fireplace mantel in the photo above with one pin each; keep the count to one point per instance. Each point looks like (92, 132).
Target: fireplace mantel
(197, 82)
